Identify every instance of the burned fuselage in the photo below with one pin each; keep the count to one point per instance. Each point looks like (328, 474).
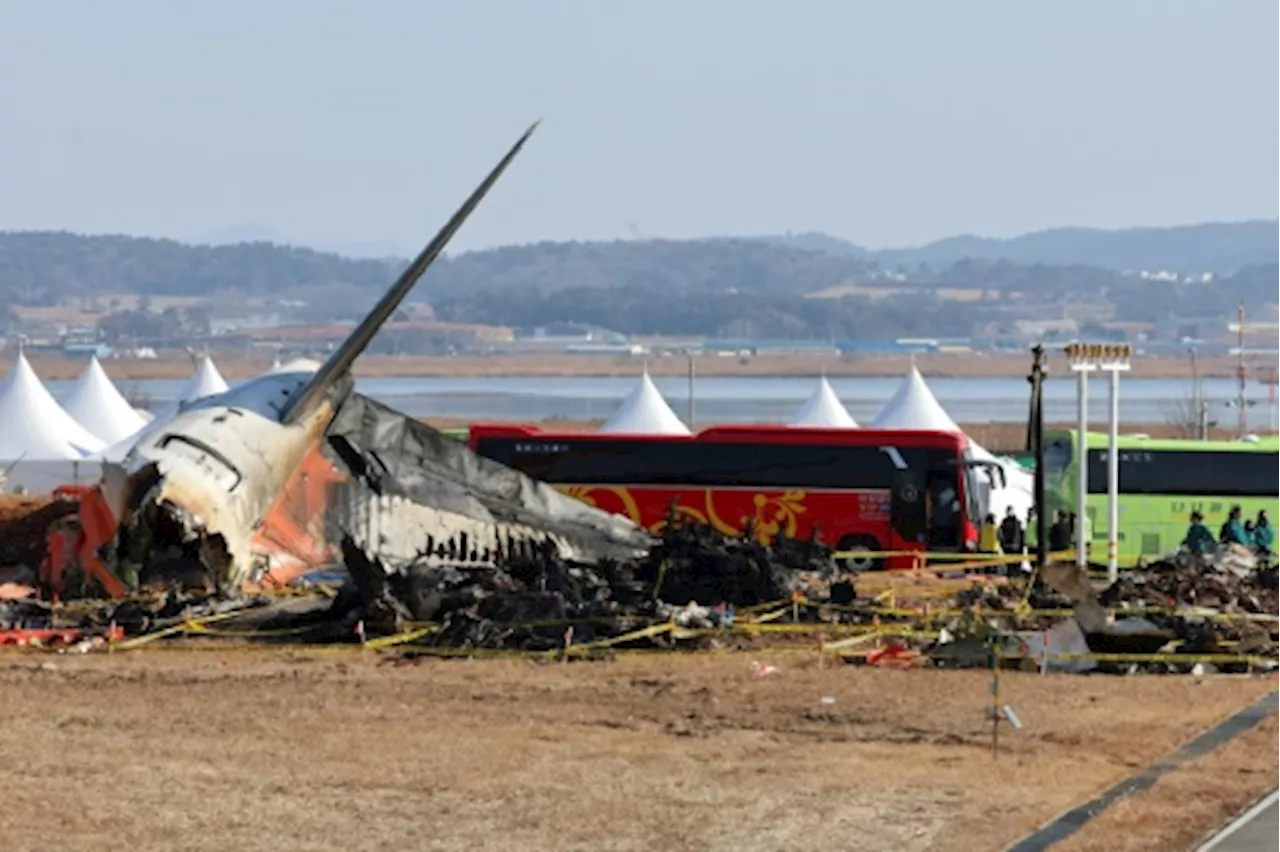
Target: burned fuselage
(193, 490)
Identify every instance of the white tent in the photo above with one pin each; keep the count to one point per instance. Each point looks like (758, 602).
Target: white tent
(645, 412)
(915, 407)
(41, 446)
(32, 424)
(97, 406)
(824, 409)
(206, 381)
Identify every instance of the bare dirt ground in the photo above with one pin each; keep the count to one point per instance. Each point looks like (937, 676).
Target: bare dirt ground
(309, 750)
(548, 365)
(1175, 811)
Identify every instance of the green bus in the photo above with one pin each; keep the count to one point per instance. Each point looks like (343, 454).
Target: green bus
(1161, 482)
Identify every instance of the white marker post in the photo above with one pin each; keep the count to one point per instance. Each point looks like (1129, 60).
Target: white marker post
(1082, 367)
(1112, 359)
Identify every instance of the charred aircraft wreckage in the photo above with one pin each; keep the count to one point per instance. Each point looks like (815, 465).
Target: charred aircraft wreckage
(294, 472)
(255, 486)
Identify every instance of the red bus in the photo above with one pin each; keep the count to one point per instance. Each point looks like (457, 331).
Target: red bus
(861, 489)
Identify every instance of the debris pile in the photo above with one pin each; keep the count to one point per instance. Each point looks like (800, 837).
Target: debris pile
(24, 527)
(1188, 582)
(526, 600)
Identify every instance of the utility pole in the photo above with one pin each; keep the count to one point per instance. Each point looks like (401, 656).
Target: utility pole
(1035, 444)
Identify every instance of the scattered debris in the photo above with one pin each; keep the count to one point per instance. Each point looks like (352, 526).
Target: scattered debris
(759, 669)
(525, 599)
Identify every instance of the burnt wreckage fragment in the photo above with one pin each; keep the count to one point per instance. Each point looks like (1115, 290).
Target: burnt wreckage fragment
(411, 493)
(431, 532)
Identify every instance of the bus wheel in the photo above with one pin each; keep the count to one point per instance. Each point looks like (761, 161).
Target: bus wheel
(859, 563)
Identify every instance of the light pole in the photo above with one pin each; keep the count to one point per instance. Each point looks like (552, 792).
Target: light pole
(1112, 359)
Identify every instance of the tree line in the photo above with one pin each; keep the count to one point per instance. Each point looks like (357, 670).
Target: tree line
(726, 287)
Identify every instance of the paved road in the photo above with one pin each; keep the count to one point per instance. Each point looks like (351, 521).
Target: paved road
(1255, 831)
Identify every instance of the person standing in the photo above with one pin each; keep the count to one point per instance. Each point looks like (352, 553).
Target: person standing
(1060, 533)
(1263, 536)
(1198, 540)
(1011, 533)
(989, 536)
(1232, 530)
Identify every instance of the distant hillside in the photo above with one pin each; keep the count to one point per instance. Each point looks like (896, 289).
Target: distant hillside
(731, 287)
(43, 267)
(1221, 247)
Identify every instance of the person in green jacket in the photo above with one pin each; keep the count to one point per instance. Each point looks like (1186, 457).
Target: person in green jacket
(1199, 540)
(1232, 531)
(1263, 535)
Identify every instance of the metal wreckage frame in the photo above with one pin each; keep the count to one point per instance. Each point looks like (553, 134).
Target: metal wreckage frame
(241, 496)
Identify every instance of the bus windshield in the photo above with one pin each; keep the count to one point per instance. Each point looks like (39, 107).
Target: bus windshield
(972, 494)
(1058, 453)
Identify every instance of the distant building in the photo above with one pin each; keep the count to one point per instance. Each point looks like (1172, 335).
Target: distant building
(771, 347)
(568, 332)
(227, 325)
(85, 350)
(632, 349)
(1048, 329)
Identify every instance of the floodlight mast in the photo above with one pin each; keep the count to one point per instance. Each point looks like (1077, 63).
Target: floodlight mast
(1112, 359)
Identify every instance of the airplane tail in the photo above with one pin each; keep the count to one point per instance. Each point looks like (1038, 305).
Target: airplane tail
(337, 365)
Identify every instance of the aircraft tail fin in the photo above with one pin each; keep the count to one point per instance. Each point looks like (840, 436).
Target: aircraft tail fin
(345, 355)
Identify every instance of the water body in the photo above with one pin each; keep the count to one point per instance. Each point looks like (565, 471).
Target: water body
(748, 400)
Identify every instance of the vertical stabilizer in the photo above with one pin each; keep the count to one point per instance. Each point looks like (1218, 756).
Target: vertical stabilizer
(339, 363)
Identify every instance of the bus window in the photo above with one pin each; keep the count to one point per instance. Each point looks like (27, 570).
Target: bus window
(973, 488)
(1206, 473)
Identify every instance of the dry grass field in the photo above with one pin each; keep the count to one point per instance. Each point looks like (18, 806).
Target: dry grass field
(307, 750)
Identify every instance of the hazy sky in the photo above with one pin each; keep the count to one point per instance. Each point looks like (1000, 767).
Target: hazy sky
(887, 122)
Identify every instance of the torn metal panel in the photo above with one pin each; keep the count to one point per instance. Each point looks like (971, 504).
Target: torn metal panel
(292, 540)
(393, 455)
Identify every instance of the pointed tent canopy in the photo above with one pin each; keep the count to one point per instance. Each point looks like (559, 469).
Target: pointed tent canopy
(645, 412)
(206, 381)
(914, 407)
(33, 427)
(824, 409)
(97, 406)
